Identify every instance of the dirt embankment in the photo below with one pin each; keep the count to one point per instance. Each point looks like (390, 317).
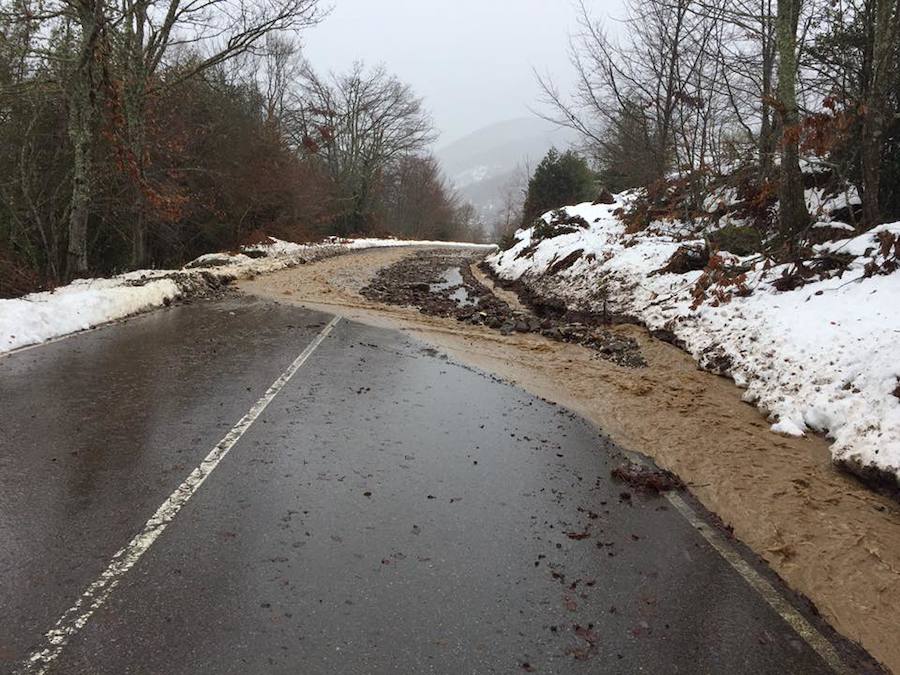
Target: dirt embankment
(828, 536)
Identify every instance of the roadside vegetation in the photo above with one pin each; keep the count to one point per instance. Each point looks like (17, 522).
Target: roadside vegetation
(140, 134)
(560, 178)
(753, 149)
(755, 125)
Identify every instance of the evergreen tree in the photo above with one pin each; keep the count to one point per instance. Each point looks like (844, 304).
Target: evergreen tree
(559, 179)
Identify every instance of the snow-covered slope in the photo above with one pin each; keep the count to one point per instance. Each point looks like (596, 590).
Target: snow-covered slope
(86, 303)
(823, 356)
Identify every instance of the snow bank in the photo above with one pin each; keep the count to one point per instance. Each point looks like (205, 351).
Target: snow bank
(822, 357)
(80, 305)
(382, 243)
(86, 303)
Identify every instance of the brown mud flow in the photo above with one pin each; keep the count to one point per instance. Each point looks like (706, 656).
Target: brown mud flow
(827, 535)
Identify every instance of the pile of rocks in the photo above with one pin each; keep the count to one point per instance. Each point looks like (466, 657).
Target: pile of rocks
(421, 281)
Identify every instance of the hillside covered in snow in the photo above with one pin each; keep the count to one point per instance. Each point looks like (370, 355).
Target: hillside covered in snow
(815, 351)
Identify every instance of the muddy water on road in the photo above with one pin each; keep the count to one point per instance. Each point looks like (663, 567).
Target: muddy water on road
(825, 534)
(452, 281)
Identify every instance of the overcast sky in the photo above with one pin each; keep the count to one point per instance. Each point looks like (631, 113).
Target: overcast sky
(471, 60)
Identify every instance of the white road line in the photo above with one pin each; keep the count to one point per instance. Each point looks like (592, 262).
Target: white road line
(99, 591)
(778, 602)
(807, 632)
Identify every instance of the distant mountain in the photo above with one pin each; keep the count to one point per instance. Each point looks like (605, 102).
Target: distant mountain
(483, 164)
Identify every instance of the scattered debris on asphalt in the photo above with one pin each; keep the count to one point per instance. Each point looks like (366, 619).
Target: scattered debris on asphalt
(646, 479)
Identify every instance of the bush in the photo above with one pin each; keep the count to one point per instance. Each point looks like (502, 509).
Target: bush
(559, 180)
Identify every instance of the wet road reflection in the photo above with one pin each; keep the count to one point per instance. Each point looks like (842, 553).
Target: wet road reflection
(97, 429)
(390, 511)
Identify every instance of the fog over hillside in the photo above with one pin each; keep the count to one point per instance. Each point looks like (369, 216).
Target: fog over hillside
(483, 164)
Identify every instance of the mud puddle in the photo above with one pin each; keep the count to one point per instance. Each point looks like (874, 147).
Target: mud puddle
(452, 282)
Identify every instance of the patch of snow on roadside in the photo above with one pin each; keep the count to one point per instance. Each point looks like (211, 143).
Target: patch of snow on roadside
(354, 244)
(80, 305)
(821, 357)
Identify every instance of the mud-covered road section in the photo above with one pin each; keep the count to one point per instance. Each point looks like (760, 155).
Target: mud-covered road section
(373, 507)
(443, 284)
(829, 537)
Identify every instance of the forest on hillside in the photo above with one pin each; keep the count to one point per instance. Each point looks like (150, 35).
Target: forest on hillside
(138, 133)
(766, 125)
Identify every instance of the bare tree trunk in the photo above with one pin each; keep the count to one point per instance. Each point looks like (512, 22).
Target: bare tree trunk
(81, 129)
(672, 84)
(136, 144)
(793, 215)
(766, 143)
(884, 33)
(82, 146)
(870, 154)
(767, 139)
(133, 93)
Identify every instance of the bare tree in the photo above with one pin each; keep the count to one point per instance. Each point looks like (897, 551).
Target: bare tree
(751, 64)
(792, 213)
(741, 40)
(281, 67)
(651, 92)
(884, 32)
(358, 123)
(417, 202)
(512, 203)
(212, 31)
(115, 53)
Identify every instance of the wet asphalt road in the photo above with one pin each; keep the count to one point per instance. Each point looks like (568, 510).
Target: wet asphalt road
(390, 512)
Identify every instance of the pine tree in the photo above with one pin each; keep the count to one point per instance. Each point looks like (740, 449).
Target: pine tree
(559, 179)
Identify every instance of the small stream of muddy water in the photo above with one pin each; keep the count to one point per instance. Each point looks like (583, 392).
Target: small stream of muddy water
(827, 535)
(508, 297)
